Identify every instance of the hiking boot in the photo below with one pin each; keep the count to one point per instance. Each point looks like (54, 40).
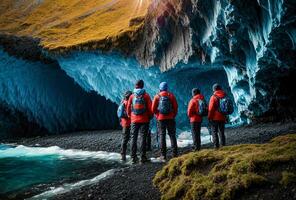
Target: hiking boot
(135, 160)
(196, 149)
(144, 160)
(175, 155)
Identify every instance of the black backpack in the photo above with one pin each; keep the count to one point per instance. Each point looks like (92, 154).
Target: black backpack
(225, 105)
(165, 105)
(121, 112)
(202, 107)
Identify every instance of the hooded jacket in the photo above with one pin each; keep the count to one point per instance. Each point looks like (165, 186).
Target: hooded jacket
(125, 122)
(193, 108)
(145, 117)
(213, 113)
(155, 103)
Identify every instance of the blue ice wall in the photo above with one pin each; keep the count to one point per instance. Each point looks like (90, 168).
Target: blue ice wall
(247, 46)
(47, 96)
(250, 39)
(112, 74)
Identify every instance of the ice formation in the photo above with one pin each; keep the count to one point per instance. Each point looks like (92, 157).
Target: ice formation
(47, 96)
(246, 46)
(243, 37)
(112, 74)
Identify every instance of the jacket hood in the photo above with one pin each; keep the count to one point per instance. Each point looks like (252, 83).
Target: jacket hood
(199, 96)
(139, 91)
(220, 93)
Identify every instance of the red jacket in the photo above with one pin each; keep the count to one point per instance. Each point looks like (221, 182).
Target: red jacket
(145, 117)
(125, 122)
(173, 100)
(214, 114)
(193, 108)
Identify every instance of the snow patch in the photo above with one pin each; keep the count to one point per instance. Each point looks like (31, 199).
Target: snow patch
(185, 138)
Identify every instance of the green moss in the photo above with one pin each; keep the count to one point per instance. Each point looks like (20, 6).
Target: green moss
(288, 178)
(226, 173)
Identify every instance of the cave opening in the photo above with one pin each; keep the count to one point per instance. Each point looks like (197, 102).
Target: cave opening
(39, 98)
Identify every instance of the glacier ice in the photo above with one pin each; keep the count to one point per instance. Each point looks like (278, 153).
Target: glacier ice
(247, 46)
(236, 35)
(112, 74)
(47, 96)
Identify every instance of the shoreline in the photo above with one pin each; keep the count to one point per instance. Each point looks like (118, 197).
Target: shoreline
(135, 182)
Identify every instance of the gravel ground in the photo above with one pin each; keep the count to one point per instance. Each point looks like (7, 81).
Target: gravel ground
(135, 182)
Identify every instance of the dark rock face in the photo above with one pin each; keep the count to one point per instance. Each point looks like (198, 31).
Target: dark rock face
(14, 123)
(23, 47)
(254, 41)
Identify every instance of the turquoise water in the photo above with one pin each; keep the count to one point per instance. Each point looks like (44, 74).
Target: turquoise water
(32, 170)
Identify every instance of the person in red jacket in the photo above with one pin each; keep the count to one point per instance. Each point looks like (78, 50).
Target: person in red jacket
(139, 110)
(216, 119)
(165, 108)
(126, 126)
(195, 118)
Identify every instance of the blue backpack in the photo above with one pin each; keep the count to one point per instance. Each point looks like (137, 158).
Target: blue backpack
(225, 105)
(139, 105)
(121, 112)
(165, 105)
(202, 107)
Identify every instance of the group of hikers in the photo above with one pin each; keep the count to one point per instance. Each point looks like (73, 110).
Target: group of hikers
(136, 110)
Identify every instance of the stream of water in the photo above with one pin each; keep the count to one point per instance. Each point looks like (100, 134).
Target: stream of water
(28, 171)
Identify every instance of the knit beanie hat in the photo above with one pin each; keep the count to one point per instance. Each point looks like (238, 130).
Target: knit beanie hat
(216, 87)
(139, 84)
(163, 86)
(195, 91)
(127, 94)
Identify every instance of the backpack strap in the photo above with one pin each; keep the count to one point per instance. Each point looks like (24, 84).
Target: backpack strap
(218, 100)
(196, 100)
(197, 105)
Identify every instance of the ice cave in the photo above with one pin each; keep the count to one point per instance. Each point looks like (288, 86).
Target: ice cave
(210, 41)
(66, 64)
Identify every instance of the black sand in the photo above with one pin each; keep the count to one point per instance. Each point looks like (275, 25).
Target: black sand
(135, 182)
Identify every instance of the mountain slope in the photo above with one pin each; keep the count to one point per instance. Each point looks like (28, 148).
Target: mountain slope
(64, 24)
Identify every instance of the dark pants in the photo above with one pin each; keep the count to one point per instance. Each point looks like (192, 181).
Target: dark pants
(148, 141)
(170, 126)
(125, 138)
(143, 129)
(195, 131)
(217, 128)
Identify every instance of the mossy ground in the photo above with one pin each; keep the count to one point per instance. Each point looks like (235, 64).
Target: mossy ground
(74, 24)
(229, 172)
